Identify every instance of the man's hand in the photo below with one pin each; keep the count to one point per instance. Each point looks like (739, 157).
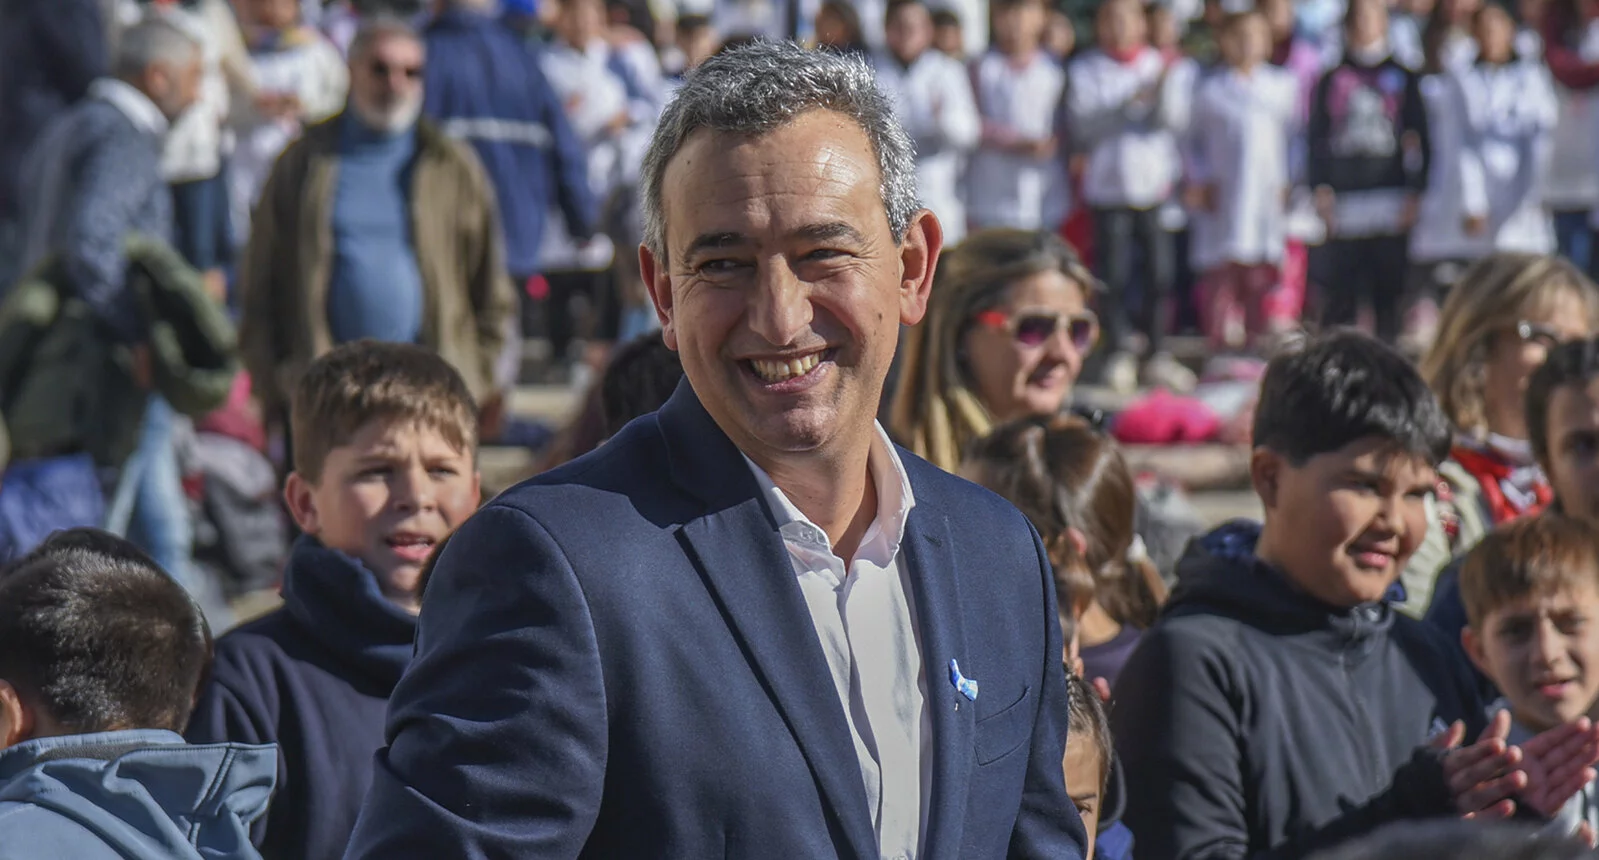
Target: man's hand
(1558, 763)
(1483, 777)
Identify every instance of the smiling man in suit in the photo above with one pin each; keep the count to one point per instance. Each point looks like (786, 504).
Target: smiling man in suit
(748, 626)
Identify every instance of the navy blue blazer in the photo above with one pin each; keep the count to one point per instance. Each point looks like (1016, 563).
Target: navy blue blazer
(614, 659)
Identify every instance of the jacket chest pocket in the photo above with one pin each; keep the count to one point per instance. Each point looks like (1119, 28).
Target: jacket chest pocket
(1000, 733)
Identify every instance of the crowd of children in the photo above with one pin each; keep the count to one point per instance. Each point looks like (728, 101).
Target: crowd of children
(1275, 704)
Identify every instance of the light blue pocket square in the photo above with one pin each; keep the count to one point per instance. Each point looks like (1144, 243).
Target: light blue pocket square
(964, 685)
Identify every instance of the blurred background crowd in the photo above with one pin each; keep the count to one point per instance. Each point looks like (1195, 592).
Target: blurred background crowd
(1160, 193)
(1140, 205)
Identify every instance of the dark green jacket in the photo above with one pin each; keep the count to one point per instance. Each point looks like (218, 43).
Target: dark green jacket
(65, 386)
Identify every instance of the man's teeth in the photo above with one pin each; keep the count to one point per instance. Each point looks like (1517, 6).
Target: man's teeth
(778, 371)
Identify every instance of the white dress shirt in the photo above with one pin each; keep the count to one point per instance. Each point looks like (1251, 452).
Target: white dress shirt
(868, 630)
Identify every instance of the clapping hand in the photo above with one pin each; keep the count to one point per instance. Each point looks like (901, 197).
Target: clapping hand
(1483, 777)
(1488, 777)
(1558, 763)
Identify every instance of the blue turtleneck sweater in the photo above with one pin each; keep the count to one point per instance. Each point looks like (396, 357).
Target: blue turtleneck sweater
(376, 288)
(313, 677)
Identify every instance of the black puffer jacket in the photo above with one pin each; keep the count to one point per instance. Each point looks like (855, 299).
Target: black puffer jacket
(1255, 721)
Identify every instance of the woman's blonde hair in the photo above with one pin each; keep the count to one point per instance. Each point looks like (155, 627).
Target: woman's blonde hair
(935, 412)
(1488, 300)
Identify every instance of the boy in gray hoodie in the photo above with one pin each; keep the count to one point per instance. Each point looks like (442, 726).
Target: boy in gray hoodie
(101, 656)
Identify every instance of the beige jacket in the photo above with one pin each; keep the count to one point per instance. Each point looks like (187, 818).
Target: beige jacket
(467, 300)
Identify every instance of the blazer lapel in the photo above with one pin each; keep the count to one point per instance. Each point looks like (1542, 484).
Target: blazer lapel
(927, 552)
(740, 553)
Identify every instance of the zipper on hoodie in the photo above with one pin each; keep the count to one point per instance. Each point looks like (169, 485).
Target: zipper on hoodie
(1376, 780)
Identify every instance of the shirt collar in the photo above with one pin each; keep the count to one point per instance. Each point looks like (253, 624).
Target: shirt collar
(135, 105)
(894, 502)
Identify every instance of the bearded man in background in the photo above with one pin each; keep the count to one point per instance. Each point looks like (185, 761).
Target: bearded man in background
(375, 225)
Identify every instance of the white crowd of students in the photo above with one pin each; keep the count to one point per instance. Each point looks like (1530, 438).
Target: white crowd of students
(1399, 144)
(1388, 146)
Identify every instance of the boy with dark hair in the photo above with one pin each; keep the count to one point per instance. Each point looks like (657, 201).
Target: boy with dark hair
(101, 655)
(1531, 590)
(1280, 706)
(385, 467)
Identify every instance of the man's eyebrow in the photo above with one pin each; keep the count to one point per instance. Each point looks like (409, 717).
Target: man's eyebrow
(830, 231)
(714, 241)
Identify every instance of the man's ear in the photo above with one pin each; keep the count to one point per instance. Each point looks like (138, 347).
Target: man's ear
(300, 497)
(477, 489)
(1265, 473)
(658, 280)
(918, 260)
(16, 718)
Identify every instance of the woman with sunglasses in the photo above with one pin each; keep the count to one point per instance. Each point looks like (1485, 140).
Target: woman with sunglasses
(1497, 326)
(1006, 332)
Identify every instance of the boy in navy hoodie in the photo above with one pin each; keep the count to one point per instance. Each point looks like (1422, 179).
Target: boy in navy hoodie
(1280, 705)
(385, 466)
(101, 654)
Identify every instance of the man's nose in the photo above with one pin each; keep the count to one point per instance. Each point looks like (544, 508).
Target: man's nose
(780, 308)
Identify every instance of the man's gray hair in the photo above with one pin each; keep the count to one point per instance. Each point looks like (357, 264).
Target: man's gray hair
(378, 26)
(757, 88)
(154, 40)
